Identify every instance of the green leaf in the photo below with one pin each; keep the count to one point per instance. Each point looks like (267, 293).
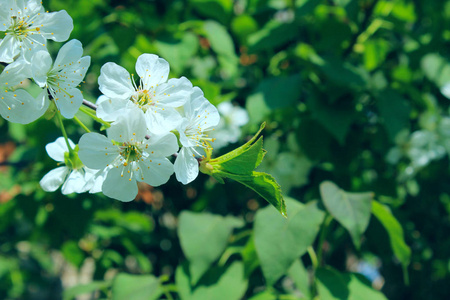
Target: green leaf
(220, 284)
(257, 108)
(249, 256)
(279, 92)
(279, 242)
(199, 229)
(73, 292)
(72, 253)
(136, 287)
(333, 285)
(264, 185)
(242, 26)
(274, 34)
(375, 52)
(223, 45)
(216, 9)
(242, 161)
(300, 276)
(395, 111)
(401, 251)
(336, 118)
(351, 210)
(178, 51)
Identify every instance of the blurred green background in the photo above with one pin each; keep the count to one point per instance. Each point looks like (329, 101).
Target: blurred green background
(350, 91)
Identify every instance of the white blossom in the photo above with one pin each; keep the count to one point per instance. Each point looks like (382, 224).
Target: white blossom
(156, 96)
(17, 105)
(27, 27)
(73, 176)
(199, 116)
(126, 156)
(62, 78)
(232, 118)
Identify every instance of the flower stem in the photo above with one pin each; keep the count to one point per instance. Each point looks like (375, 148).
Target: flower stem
(81, 124)
(90, 113)
(89, 104)
(63, 130)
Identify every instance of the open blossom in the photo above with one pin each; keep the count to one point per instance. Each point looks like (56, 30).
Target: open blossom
(199, 116)
(232, 118)
(17, 105)
(62, 78)
(27, 27)
(127, 156)
(73, 176)
(156, 96)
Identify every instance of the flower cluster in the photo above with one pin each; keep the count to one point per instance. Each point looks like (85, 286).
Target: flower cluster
(150, 118)
(155, 126)
(26, 28)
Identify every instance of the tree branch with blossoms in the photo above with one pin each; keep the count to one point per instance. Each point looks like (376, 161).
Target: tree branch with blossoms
(148, 117)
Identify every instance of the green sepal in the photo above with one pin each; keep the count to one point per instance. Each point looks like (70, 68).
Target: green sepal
(72, 160)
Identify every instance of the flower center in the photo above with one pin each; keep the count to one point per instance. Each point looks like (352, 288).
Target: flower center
(143, 99)
(130, 152)
(21, 27)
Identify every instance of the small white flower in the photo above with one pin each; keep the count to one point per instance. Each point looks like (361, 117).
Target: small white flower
(72, 176)
(63, 77)
(155, 96)
(17, 105)
(127, 156)
(27, 27)
(199, 116)
(229, 129)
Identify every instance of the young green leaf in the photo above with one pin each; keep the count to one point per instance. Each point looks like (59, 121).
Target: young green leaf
(196, 230)
(334, 285)
(136, 287)
(279, 242)
(352, 210)
(401, 251)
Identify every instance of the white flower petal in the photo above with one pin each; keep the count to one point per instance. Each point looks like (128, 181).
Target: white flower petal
(9, 49)
(57, 149)
(16, 72)
(225, 108)
(20, 107)
(128, 127)
(162, 145)
(162, 121)
(174, 93)
(110, 109)
(152, 70)
(115, 82)
(68, 102)
(53, 179)
(118, 187)
(96, 151)
(95, 179)
(70, 53)
(186, 166)
(74, 183)
(31, 45)
(205, 115)
(239, 116)
(57, 25)
(156, 172)
(41, 62)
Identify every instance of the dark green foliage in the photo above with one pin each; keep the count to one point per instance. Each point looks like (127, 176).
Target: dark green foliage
(357, 135)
